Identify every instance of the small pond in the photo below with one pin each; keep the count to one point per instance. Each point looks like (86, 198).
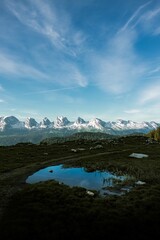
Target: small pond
(97, 180)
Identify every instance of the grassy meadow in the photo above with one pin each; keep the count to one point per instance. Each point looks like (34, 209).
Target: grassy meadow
(49, 210)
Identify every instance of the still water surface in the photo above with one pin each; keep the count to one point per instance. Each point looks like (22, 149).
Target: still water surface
(96, 180)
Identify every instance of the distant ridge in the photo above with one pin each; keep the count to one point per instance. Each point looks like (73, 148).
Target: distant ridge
(92, 136)
(119, 126)
(13, 131)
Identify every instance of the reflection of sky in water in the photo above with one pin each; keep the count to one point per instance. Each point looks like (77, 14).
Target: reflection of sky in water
(74, 177)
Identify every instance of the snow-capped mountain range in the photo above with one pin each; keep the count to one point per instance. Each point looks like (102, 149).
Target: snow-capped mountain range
(118, 127)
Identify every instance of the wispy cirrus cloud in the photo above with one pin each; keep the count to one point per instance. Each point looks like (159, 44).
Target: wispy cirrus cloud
(58, 61)
(43, 18)
(132, 111)
(11, 65)
(151, 14)
(157, 31)
(150, 94)
(65, 74)
(119, 67)
(1, 88)
(150, 21)
(71, 75)
(50, 90)
(147, 20)
(132, 21)
(155, 70)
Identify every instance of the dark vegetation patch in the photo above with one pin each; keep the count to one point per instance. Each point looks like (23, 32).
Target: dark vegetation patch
(90, 136)
(54, 211)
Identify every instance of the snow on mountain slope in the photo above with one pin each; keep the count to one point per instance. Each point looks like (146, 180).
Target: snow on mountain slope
(31, 123)
(79, 124)
(79, 121)
(46, 123)
(97, 124)
(61, 122)
(10, 122)
(122, 125)
(113, 127)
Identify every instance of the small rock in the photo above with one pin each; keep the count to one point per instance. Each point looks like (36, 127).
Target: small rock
(81, 149)
(96, 147)
(90, 193)
(73, 150)
(138, 155)
(140, 183)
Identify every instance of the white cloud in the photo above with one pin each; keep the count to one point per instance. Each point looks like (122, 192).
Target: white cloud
(70, 75)
(38, 20)
(150, 94)
(132, 111)
(45, 19)
(119, 68)
(60, 99)
(50, 90)
(44, 8)
(1, 88)
(13, 66)
(147, 20)
(2, 101)
(77, 76)
(130, 23)
(58, 66)
(149, 15)
(150, 21)
(157, 31)
(155, 70)
(151, 112)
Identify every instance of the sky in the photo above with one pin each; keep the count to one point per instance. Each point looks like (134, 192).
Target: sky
(87, 58)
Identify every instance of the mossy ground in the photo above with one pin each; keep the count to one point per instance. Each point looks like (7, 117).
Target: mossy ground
(51, 210)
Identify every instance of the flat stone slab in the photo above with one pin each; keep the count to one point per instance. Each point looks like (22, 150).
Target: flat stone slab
(138, 155)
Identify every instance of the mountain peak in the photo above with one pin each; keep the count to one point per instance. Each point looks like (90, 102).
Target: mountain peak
(30, 123)
(45, 123)
(61, 121)
(120, 126)
(80, 121)
(121, 121)
(97, 123)
(10, 122)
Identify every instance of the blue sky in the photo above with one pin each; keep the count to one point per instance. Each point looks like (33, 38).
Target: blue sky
(88, 58)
